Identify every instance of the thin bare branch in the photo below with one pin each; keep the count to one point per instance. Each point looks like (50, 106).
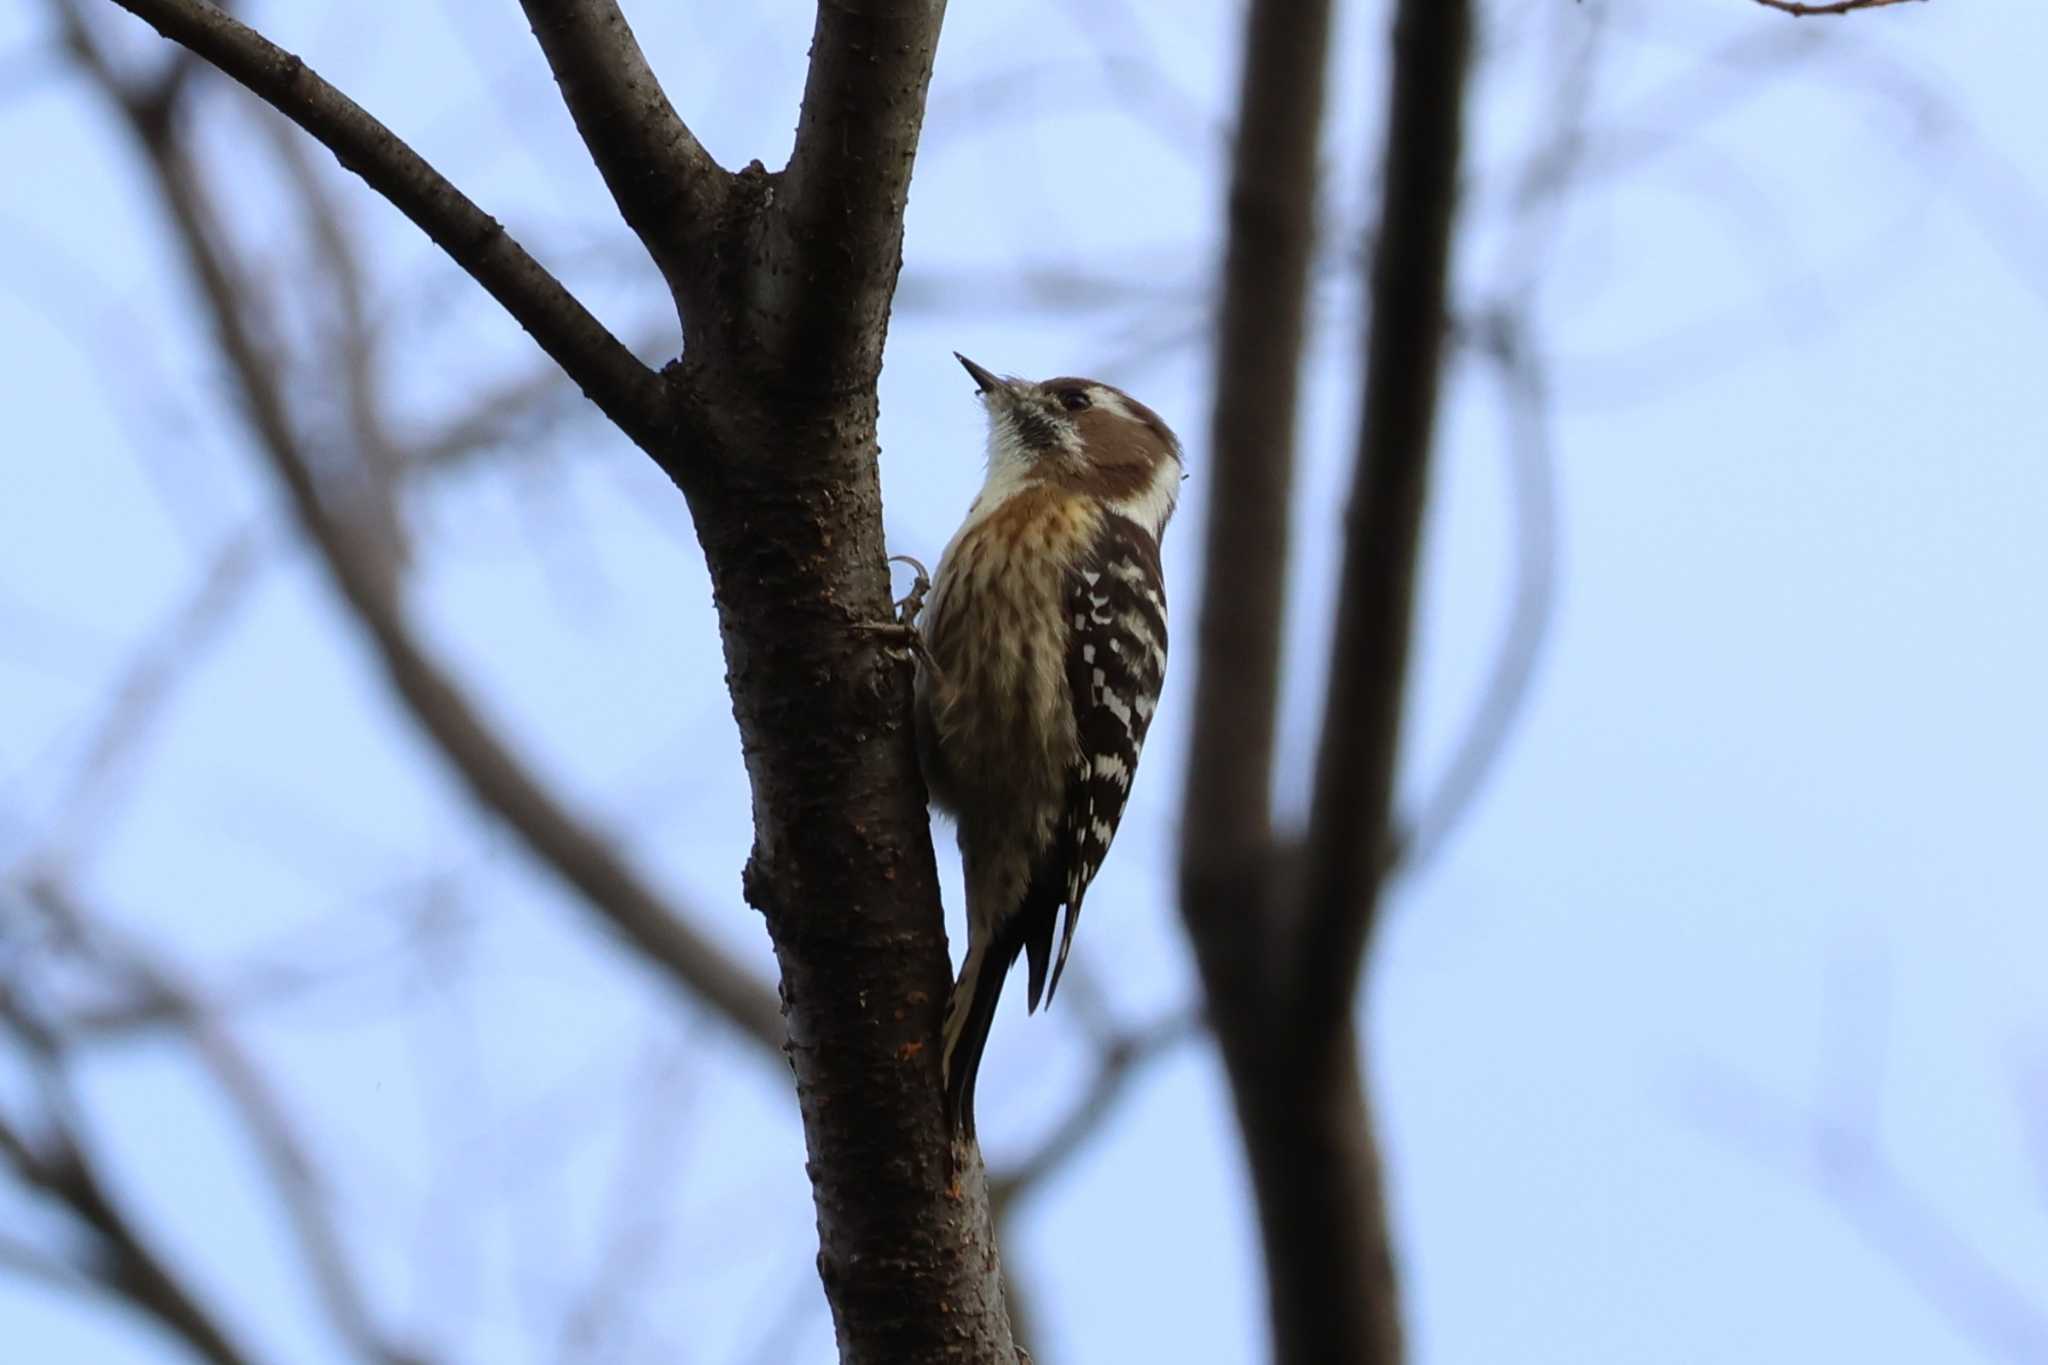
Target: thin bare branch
(1227, 819)
(494, 774)
(629, 393)
(16, 1150)
(498, 779)
(263, 1117)
(660, 1099)
(512, 412)
(121, 1262)
(1880, 1204)
(1500, 333)
(977, 291)
(1532, 475)
(1117, 1064)
(138, 698)
(115, 1260)
(668, 188)
(350, 348)
(19, 1258)
(1350, 821)
(1839, 7)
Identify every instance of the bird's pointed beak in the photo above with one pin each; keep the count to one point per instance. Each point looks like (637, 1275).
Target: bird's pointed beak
(984, 380)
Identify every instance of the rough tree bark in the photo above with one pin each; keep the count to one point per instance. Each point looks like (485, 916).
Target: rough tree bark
(767, 424)
(1280, 935)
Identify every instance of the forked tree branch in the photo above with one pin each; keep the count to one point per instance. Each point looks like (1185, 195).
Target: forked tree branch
(1299, 1098)
(611, 376)
(842, 868)
(667, 187)
(1279, 933)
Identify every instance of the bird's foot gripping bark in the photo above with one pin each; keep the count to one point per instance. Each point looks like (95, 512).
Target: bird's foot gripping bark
(912, 603)
(902, 635)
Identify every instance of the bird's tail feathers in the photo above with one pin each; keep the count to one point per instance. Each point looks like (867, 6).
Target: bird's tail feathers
(1030, 931)
(1027, 932)
(969, 1014)
(1059, 965)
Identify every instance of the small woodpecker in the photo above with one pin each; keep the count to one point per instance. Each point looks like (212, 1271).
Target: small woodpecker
(1045, 649)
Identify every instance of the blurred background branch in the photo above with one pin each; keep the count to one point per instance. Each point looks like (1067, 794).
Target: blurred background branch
(366, 566)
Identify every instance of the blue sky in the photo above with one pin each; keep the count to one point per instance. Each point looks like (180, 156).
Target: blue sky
(1762, 855)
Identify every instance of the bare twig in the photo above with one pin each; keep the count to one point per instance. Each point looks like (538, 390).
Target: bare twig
(516, 409)
(1500, 334)
(19, 1258)
(515, 412)
(120, 1261)
(1879, 1203)
(1524, 400)
(1836, 1143)
(499, 780)
(263, 1117)
(1117, 1065)
(630, 394)
(351, 349)
(975, 292)
(145, 686)
(1839, 7)
(660, 1101)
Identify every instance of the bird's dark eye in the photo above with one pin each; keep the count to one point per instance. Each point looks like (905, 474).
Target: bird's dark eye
(1073, 400)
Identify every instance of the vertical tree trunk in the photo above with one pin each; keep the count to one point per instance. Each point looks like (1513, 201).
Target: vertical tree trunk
(842, 869)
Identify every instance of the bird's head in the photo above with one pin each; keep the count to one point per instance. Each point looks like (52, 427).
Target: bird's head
(1082, 435)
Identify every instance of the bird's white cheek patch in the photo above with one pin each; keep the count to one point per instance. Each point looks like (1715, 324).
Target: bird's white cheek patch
(1152, 506)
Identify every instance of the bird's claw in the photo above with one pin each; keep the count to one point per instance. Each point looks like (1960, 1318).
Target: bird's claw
(902, 633)
(912, 603)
